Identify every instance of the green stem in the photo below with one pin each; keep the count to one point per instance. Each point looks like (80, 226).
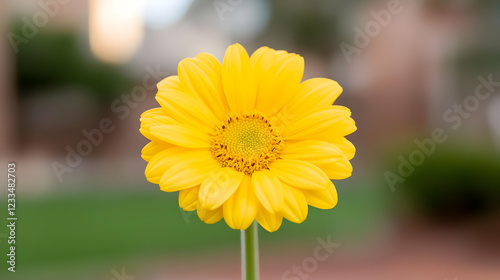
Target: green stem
(250, 253)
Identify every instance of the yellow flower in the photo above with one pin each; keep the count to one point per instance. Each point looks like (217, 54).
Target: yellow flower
(247, 140)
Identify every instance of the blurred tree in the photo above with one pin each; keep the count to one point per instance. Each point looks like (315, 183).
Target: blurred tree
(311, 25)
(55, 59)
(455, 183)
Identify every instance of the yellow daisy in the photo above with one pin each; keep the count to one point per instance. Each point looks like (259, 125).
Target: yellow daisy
(247, 140)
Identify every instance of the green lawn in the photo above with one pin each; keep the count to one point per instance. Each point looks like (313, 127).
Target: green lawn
(74, 230)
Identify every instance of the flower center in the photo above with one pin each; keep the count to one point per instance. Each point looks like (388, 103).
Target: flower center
(247, 143)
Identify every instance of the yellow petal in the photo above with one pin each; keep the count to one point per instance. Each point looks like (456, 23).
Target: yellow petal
(181, 135)
(171, 82)
(345, 145)
(337, 170)
(326, 156)
(269, 221)
(295, 207)
(339, 129)
(313, 93)
(238, 80)
(263, 59)
(313, 151)
(187, 109)
(189, 171)
(188, 198)
(279, 84)
(341, 142)
(241, 208)
(162, 161)
(218, 186)
(151, 118)
(209, 216)
(334, 120)
(210, 61)
(322, 199)
(268, 190)
(202, 77)
(152, 148)
(149, 114)
(300, 174)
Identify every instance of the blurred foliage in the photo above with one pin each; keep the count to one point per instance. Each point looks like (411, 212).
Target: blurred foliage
(481, 53)
(437, 5)
(311, 25)
(455, 183)
(55, 58)
(479, 60)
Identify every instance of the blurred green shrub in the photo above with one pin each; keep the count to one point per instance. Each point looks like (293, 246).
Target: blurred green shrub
(57, 58)
(455, 183)
(309, 25)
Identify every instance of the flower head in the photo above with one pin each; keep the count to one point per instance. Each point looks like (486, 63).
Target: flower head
(246, 139)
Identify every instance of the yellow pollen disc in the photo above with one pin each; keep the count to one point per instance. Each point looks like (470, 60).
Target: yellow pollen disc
(247, 143)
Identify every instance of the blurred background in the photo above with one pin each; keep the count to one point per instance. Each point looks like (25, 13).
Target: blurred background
(422, 79)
